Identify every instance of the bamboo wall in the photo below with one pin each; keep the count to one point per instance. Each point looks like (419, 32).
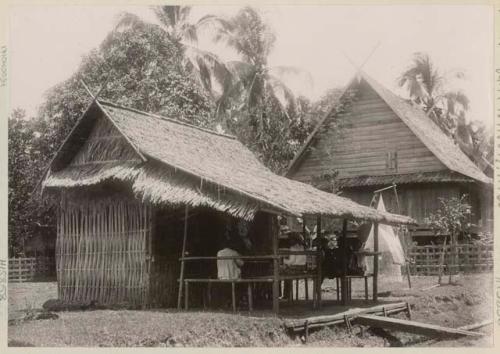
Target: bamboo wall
(102, 251)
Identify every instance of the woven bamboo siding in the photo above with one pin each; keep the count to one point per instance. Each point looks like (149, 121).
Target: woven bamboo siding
(102, 252)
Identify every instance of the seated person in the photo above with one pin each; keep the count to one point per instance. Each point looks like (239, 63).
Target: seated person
(294, 263)
(295, 260)
(229, 268)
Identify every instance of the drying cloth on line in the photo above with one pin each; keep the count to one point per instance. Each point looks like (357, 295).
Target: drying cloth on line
(388, 240)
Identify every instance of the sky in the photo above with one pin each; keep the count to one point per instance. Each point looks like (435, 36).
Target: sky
(46, 45)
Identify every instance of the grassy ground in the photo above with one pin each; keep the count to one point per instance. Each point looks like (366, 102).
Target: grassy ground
(469, 301)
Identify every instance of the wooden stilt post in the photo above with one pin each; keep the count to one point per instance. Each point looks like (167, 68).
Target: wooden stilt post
(250, 297)
(320, 276)
(276, 293)
(233, 295)
(181, 277)
(441, 260)
(304, 232)
(375, 262)
(343, 282)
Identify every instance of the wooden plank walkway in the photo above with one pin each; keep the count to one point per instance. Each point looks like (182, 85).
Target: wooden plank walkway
(298, 325)
(413, 327)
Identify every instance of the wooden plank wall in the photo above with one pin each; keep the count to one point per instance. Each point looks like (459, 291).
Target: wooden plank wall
(368, 131)
(102, 251)
(415, 200)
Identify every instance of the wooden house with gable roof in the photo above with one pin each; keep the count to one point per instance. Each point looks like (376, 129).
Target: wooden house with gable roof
(144, 202)
(380, 139)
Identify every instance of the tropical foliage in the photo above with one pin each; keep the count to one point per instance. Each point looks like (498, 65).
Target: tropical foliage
(137, 68)
(430, 88)
(256, 103)
(176, 24)
(452, 217)
(26, 163)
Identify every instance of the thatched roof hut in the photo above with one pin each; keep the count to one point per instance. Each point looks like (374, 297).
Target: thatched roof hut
(170, 162)
(124, 181)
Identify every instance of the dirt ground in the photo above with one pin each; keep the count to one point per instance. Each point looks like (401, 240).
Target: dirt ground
(467, 301)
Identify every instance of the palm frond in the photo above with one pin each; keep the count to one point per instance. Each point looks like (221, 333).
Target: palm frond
(211, 67)
(281, 93)
(163, 14)
(129, 20)
(454, 99)
(292, 71)
(188, 32)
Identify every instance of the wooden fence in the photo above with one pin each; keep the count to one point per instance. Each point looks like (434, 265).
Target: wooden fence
(33, 268)
(469, 259)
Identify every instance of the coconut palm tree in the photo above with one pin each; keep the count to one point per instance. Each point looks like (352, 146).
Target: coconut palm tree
(427, 87)
(175, 21)
(254, 85)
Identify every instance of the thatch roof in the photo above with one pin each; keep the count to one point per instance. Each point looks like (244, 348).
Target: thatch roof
(441, 145)
(178, 163)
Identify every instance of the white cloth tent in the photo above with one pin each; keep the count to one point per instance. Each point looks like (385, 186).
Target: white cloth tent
(392, 255)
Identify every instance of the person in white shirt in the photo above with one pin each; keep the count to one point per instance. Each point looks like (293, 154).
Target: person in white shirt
(295, 245)
(229, 268)
(294, 262)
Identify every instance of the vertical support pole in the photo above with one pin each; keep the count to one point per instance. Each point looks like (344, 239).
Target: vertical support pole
(233, 295)
(304, 233)
(306, 288)
(375, 262)
(209, 290)
(250, 297)
(276, 292)
(343, 282)
(150, 233)
(366, 288)
(181, 277)
(320, 276)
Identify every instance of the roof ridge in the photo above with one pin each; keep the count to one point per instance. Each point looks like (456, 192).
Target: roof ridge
(172, 120)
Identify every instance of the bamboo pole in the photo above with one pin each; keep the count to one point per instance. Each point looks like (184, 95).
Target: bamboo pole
(58, 251)
(319, 256)
(343, 281)
(441, 260)
(375, 262)
(72, 253)
(276, 281)
(151, 227)
(181, 277)
(103, 246)
(94, 250)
